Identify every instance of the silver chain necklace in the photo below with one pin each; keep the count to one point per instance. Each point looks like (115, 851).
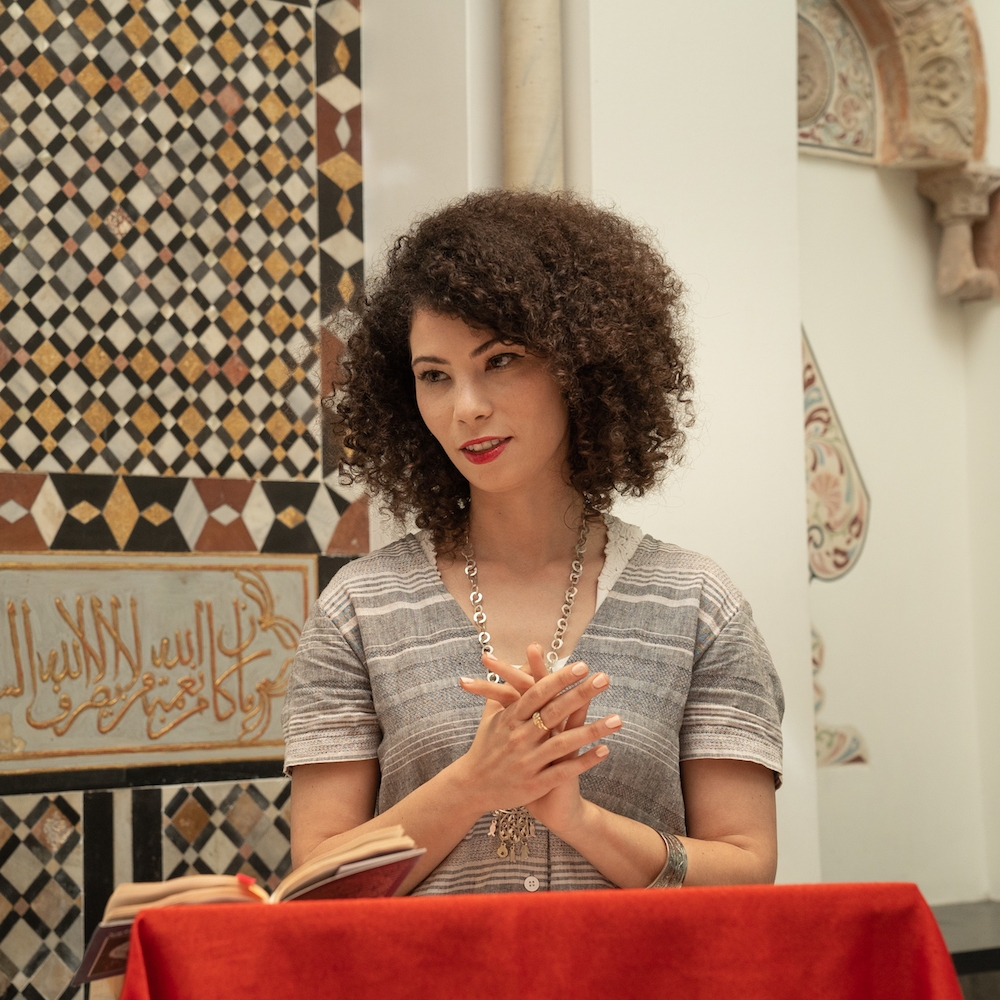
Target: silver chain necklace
(515, 826)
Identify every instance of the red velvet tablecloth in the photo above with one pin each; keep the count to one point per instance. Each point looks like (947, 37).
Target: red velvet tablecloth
(749, 943)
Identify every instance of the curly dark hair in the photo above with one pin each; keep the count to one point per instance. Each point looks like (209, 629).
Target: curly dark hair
(573, 283)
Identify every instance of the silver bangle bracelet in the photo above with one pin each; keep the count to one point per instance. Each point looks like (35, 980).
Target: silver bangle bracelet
(675, 870)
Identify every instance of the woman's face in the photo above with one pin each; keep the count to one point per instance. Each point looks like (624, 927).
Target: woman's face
(495, 409)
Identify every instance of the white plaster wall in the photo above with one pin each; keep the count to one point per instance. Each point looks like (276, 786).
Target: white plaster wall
(683, 122)
(691, 133)
(898, 627)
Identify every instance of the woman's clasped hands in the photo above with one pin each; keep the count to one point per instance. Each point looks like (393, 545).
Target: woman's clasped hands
(526, 749)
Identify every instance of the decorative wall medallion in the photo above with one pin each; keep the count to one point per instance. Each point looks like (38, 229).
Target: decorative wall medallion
(124, 661)
(836, 497)
(834, 744)
(836, 87)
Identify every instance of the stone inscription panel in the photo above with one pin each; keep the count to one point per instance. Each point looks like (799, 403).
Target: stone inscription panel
(117, 661)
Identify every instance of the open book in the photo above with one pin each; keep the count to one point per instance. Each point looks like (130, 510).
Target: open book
(373, 864)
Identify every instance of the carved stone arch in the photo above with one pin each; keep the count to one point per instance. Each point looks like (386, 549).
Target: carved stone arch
(892, 82)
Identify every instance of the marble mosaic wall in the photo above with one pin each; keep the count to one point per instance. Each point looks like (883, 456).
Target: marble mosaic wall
(180, 203)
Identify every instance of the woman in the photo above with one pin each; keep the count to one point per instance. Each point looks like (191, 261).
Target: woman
(517, 366)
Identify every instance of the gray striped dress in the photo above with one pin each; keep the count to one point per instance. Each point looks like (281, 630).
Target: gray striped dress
(377, 668)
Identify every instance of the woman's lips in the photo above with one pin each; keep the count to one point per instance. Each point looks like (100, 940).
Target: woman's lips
(484, 450)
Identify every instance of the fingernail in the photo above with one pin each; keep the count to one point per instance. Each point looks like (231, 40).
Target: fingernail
(578, 669)
(490, 657)
(613, 721)
(602, 751)
(601, 681)
(465, 680)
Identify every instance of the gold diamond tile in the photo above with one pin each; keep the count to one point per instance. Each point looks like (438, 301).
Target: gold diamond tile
(138, 85)
(234, 316)
(47, 358)
(342, 54)
(345, 209)
(271, 53)
(48, 414)
(96, 361)
(228, 47)
(276, 265)
(230, 154)
(274, 159)
(227, 19)
(49, 443)
(144, 364)
(234, 262)
(97, 417)
(272, 106)
(300, 376)
(144, 447)
(118, 194)
(236, 452)
(41, 72)
(191, 449)
(136, 31)
(40, 16)
(191, 367)
(184, 93)
(278, 426)
(5, 240)
(94, 219)
(293, 60)
(90, 23)
(343, 170)
(271, 28)
(84, 512)
(5, 414)
(346, 287)
(191, 422)
(118, 251)
(90, 78)
(120, 512)
(235, 424)
(98, 445)
(298, 426)
(183, 11)
(232, 208)
(157, 514)
(184, 38)
(290, 517)
(295, 213)
(275, 212)
(277, 319)
(146, 419)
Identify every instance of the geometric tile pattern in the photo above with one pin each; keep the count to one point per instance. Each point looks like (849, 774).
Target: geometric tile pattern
(41, 879)
(226, 828)
(66, 512)
(159, 234)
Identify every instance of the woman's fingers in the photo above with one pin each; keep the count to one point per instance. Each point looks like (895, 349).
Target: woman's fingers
(542, 692)
(570, 702)
(573, 767)
(562, 744)
(502, 693)
(515, 677)
(536, 662)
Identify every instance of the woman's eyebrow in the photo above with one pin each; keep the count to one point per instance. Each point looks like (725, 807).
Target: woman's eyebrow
(428, 357)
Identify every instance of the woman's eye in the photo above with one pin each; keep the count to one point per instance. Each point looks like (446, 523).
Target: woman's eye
(503, 360)
(432, 375)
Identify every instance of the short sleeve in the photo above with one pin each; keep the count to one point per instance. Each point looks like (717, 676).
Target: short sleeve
(328, 713)
(735, 702)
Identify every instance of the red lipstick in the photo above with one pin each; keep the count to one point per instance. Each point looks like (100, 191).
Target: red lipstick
(487, 454)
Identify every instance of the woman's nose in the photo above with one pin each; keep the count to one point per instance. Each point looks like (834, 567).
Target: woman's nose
(471, 401)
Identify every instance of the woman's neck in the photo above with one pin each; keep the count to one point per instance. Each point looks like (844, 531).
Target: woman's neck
(525, 531)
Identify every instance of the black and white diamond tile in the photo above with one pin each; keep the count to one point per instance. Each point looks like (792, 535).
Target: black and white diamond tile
(227, 828)
(41, 901)
(159, 238)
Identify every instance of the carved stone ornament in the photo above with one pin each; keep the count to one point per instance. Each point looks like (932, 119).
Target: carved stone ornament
(927, 102)
(961, 196)
(837, 502)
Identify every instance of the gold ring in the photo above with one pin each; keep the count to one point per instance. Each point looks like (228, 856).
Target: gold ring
(537, 720)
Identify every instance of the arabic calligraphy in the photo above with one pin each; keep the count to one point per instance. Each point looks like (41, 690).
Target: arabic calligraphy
(117, 670)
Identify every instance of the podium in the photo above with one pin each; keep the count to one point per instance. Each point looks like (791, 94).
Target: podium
(847, 942)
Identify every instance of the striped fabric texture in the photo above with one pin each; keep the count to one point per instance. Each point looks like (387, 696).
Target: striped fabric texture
(376, 675)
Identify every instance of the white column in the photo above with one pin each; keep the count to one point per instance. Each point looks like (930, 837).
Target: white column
(531, 47)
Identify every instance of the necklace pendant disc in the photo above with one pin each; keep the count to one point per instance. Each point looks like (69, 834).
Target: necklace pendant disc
(502, 851)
